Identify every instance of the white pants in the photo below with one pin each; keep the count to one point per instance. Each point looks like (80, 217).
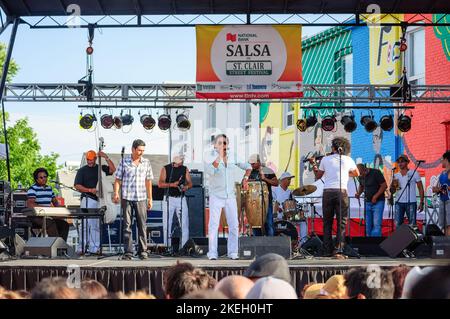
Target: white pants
(178, 206)
(215, 208)
(91, 228)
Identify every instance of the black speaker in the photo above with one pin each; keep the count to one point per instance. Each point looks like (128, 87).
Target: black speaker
(313, 245)
(198, 246)
(157, 193)
(49, 247)
(368, 246)
(404, 239)
(195, 198)
(433, 230)
(252, 247)
(440, 247)
(196, 177)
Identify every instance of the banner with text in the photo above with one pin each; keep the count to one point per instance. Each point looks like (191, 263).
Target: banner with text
(249, 62)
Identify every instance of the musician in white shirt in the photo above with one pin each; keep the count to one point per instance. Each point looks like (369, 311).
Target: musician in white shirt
(281, 193)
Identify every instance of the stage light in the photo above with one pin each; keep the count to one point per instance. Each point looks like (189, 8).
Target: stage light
(183, 122)
(328, 123)
(404, 123)
(304, 124)
(148, 122)
(118, 122)
(107, 121)
(164, 122)
(349, 123)
(369, 123)
(89, 50)
(386, 122)
(403, 45)
(87, 121)
(127, 119)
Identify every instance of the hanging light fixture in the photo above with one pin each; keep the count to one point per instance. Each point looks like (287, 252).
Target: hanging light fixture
(349, 123)
(304, 123)
(127, 119)
(118, 122)
(404, 123)
(87, 121)
(368, 122)
(107, 121)
(148, 122)
(164, 122)
(386, 122)
(183, 122)
(329, 123)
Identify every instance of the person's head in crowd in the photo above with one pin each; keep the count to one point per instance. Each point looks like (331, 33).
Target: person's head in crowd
(205, 294)
(335, 287)
(234, 287)
(272, 288)
(312, 291)
(8, 294)
(434, 285)
(92, 289)
(54, 288)
(139, 295)
(398, 276)
(372, 284)
(270, 264)
(413, 277)
(183, 278)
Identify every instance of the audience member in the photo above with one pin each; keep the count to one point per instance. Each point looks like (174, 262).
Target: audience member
(234, 287)
(54, 288)
(271, 288)
(272, 265)
(434, 285)
(362, 284)
(398, 276)
(205, 294)
(92, 289)
(412, 278)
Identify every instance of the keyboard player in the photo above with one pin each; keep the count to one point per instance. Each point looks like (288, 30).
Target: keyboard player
(42, 195)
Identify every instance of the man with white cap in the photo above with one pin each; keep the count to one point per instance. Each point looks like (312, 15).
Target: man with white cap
(262, 173)
(86, 182)
(282, 193)
(175, 178)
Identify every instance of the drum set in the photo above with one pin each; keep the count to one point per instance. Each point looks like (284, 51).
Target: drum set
(252, 211)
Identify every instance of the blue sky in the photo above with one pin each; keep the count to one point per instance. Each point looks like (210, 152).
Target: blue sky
(135, 55)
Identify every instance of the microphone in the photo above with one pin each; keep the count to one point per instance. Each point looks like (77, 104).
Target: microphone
(420, 161)
(123, 150)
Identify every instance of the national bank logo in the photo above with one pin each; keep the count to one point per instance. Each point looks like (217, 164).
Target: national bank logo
(231, 37)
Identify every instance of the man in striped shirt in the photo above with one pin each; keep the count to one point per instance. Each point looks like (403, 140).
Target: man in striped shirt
(40, 194)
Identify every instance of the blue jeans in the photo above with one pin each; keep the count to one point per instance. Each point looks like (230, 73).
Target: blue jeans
(401, 209)
(374, 218)
(268, 226)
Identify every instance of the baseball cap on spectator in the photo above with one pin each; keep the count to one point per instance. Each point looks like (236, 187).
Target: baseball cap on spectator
(254, 158)
(271, 288)
(269, 265)
(313, 291)
(335, 287)
(286, 175)
(91, 155)
(412, 278)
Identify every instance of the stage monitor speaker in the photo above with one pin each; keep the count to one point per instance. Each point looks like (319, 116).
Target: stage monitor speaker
(195, 198)
(252, 247)
(313, 245)
(198, 246)
(368, 246)
(433, 230)
(50, 247)
(440, 247)
(405, 238)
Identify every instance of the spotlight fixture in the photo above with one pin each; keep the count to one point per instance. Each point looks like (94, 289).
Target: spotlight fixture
(89, 50)
(386, 122)
(164, 122)
(368, 122)
(118, 122)
(87, 121)
(349, 123)
(183, 122)
(303, 124)
(328, 123)
(404, 123)
(127, 119)
(107, 121)
(148, 122)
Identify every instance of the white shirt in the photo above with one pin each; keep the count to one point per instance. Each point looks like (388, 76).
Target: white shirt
(280, 195)
(330, 165)
(403, 183)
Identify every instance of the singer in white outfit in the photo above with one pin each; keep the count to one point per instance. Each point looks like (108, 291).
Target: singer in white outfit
(220, 170)
(176, 180)
(86, 182)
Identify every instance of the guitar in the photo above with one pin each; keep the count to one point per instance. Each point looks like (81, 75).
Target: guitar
(105, 190)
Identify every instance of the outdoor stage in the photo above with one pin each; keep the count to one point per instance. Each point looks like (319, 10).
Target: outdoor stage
(120, 275)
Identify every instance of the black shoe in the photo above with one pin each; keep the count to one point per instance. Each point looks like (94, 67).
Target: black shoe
(127, 257)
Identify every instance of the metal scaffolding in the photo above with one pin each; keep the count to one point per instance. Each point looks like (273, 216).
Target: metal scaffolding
(177, 93)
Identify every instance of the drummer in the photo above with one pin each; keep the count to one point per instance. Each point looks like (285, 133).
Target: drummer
(260, 172)
(282, 193)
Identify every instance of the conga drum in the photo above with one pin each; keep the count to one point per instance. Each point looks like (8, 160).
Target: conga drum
(223, 220)
(256, 203)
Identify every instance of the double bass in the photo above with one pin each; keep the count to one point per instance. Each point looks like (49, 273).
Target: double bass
(105, 191)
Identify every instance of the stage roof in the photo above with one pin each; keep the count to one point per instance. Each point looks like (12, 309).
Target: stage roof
(174, 7)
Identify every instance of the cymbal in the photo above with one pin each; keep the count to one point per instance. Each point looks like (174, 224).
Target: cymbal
(304, 190)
